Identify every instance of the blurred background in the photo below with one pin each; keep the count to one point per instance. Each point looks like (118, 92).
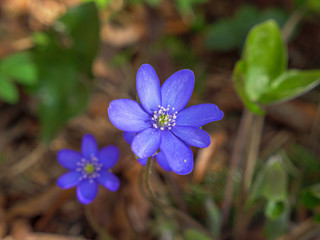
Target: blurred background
(63, 61)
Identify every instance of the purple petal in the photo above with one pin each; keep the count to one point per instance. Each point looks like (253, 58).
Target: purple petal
(142, 161)
(69, 158)
(177, 89)
(199, 115)
(192, 135)
(148, 88)
(87, 191)
(128, 115)
(109, 180)
(108, 156)
(146, 143)
(128, 136)
(89, 146)
(163, 161)
(178, 154)
(69, 180)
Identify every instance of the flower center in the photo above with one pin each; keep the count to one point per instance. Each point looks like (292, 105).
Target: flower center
(164, 118)
(89, 168)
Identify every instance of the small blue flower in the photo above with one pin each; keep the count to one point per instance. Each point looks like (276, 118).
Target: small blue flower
(161, 121)
(88, 169)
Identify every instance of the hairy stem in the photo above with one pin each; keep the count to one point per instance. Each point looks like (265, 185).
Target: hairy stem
(242, 214)
(236, 159)
(253, 151)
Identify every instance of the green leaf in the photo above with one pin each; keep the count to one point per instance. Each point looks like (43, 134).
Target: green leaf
(256, 191)
(64, 55)
(214, 217)
(100, 3)
(274, 228)
(20, 66)
(61, 95)
(264, 58)
(192, 234)
(83, 26)
(8, 91)
(316, 218)
(270, 183)
(291, 84)
(239, 83)
(230, 33)
(220, 36)
(185, 6)
(274, 13)
(275, 209)
(153, 3)
(310, 196)
(275, 180)
(311, 5)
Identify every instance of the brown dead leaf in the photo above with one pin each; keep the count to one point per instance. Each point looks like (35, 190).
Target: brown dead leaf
(34, 206)
(20, 229)
(296, 114)
(15, 7)
(122, 36)
(45, 236)
(46, 11)
(205, 155)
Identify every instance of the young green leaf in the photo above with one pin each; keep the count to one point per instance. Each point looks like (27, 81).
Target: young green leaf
(239, 83)
(274, 228)
(192, 234)
(275, 209)
(290, 84)
(265, 58)
(275, 180)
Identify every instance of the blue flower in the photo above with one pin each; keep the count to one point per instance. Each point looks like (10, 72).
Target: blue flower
(160, 157)
(88, 169)
(161, 121)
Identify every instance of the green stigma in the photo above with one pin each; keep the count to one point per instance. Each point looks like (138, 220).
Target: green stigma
(89, 168)
(163, 119)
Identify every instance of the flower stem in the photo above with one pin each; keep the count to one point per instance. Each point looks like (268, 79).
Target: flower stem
(148, 184)
(95, 226)
(178, 213)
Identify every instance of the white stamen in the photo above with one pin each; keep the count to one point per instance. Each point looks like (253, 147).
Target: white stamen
(162, 119)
